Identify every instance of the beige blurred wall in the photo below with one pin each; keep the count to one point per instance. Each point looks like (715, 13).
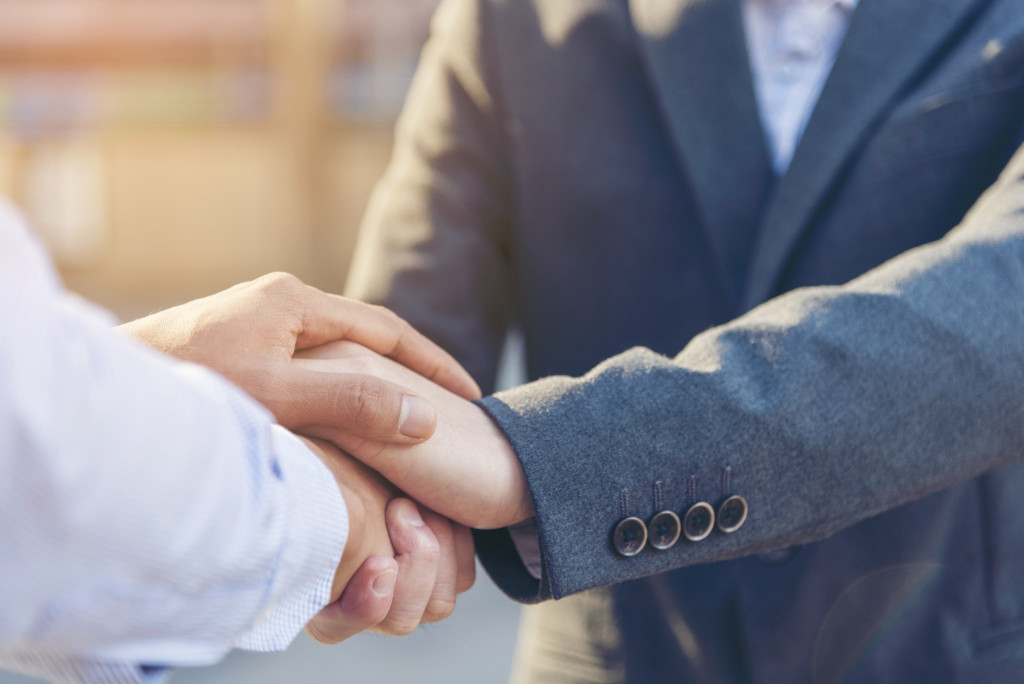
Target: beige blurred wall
(164, 197)
(191, 213)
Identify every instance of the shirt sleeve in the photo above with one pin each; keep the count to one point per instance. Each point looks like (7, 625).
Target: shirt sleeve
(526, 539)
(151, 514)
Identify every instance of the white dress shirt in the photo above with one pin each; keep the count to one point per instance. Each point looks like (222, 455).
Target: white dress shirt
(151, 514)
(792, 46)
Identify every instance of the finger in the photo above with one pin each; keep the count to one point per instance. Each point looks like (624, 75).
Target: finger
(442, 599)
(330, 317)
(465, 557)
(364, 603)
(418, 559)
(355, 404)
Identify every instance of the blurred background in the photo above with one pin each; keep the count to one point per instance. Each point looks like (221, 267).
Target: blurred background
(166, 149)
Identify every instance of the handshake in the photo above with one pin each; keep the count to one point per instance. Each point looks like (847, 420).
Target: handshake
(389, 414)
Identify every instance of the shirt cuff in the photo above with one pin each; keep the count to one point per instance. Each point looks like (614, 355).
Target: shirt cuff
(63, 669)
(313, 544)
(526, 538)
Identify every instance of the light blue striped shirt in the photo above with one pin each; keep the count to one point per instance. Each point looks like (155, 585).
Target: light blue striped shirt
(151, 514)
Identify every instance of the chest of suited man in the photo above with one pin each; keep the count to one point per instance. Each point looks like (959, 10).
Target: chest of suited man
(611, 233)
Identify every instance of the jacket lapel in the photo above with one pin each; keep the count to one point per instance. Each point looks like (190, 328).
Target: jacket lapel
(888, 43)
(695, 51)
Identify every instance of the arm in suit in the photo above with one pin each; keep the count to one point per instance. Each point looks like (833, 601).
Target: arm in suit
(434, 240)
(829, 404)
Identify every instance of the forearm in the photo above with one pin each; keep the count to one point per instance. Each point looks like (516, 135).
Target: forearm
(827, 405)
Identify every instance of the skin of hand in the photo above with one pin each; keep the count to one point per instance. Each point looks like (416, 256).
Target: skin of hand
(249, 333)
(402, 564)
(467, 471)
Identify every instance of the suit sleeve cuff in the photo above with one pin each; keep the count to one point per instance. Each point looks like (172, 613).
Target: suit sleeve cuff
(513, 556)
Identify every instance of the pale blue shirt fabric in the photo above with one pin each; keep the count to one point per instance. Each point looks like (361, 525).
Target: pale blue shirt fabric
(151, 514)
(792, 45)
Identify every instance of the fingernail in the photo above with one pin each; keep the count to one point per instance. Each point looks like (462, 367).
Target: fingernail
(410, 515)
(384, 583)
(417, 418)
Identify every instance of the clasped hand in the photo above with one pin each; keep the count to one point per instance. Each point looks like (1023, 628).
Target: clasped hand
(377, 395)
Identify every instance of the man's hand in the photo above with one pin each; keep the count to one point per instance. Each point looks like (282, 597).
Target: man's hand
(467, 471)
(402, 564)
(249, 333)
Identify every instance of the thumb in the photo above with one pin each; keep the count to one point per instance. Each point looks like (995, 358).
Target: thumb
(354, 404)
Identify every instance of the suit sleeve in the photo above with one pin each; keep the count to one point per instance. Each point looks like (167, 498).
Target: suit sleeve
(827, 405)
(433, 245)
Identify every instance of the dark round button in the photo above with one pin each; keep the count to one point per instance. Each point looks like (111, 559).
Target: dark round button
(629, 536)
(698, 521)
(664, 529)
(732, 514)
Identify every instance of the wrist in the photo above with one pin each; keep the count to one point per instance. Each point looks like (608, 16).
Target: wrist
(518, 504)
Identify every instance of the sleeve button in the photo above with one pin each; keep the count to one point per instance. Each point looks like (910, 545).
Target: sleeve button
(664, 530)
(630, 536)
(732, 514)
(699, 521)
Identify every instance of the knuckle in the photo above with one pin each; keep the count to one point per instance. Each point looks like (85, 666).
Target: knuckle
(400, 625)
(438, 609)
(281, 282)
(366, 404)
(405, 333)
(392, 319)
(400, 328)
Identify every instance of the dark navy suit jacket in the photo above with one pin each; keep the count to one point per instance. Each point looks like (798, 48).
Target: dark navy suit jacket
(596, 171)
